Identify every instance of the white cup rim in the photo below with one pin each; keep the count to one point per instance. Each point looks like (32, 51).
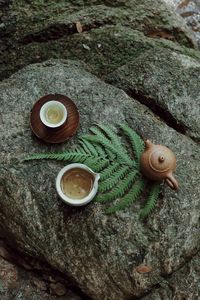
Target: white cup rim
(44, 108)
(76, 202)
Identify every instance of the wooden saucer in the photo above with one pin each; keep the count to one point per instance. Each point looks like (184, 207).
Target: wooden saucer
(62, 133)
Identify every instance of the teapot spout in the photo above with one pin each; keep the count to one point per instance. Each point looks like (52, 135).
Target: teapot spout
(148, 144)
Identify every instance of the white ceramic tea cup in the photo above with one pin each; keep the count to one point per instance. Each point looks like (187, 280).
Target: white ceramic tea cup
(60, 109)
(77, 202)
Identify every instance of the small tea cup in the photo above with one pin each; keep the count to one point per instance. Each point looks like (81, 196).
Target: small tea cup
(76, 167)
(53, 114)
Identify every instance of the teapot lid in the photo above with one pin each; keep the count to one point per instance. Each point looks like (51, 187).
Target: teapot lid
(160, 160)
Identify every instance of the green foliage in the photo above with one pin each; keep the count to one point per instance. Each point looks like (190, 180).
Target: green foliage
(94, 162)
(107, 172)
(111, 149)
(116, 142)
(105, 152)
(151, 201)
(136, 142)
(108, 183)
(119, 190)
(129, 198)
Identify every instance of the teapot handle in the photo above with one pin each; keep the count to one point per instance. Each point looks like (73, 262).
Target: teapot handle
(171, 181)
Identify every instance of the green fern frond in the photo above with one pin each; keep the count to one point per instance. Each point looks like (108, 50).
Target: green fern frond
(151, 202)
(100, 150)
(88, 147)
(129, 198)
(107, 184)
(112, 156)
(72, 156)
(107, 172)
(80, 149)
(83, 148)
(98, 133)
(115, 140)
(120, 189)
(96, 164)
(107, 145)
(57, 156)
(135, 140)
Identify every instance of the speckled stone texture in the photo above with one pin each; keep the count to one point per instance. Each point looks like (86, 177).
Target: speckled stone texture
(166, 82)
(98, 253)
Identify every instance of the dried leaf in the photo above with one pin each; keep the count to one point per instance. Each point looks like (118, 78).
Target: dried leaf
(79, 27)
(143, 269)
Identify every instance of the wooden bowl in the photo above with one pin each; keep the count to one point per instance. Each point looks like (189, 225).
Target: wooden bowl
(59, 134)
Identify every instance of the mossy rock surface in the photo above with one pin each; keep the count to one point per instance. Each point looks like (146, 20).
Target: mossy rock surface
(33, 31)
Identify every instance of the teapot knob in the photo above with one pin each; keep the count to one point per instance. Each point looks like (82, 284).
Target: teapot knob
(161, 158)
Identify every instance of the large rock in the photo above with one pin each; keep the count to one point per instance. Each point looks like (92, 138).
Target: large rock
(166, 82)
(35, 31)
(98, 253)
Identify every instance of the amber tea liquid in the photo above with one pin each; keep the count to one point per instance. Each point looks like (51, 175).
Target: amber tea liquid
(77, 183)
(54, 114)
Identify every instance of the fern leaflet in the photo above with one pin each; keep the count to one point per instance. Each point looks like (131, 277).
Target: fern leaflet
(151, 202)
(119, 190)
(95, 130)
(107, 172)
(88, 147)
(107, 184)
(107, 145)
(129, 198)
(96, 165)
(115, 140)
(101, 152)
(80, 149)
(83, 148)
(135, 140)
(69, 156)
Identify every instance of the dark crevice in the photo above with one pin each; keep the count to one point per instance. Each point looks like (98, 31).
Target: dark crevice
(163, 114)
(40, 269)
(57, 31)
(181, 266)
(174, 34)
(153, 288)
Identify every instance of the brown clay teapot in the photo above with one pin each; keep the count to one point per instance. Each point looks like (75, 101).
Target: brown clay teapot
(157, 163)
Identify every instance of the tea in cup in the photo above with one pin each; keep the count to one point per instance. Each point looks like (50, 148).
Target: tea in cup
(77, 184)
(53, 114)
